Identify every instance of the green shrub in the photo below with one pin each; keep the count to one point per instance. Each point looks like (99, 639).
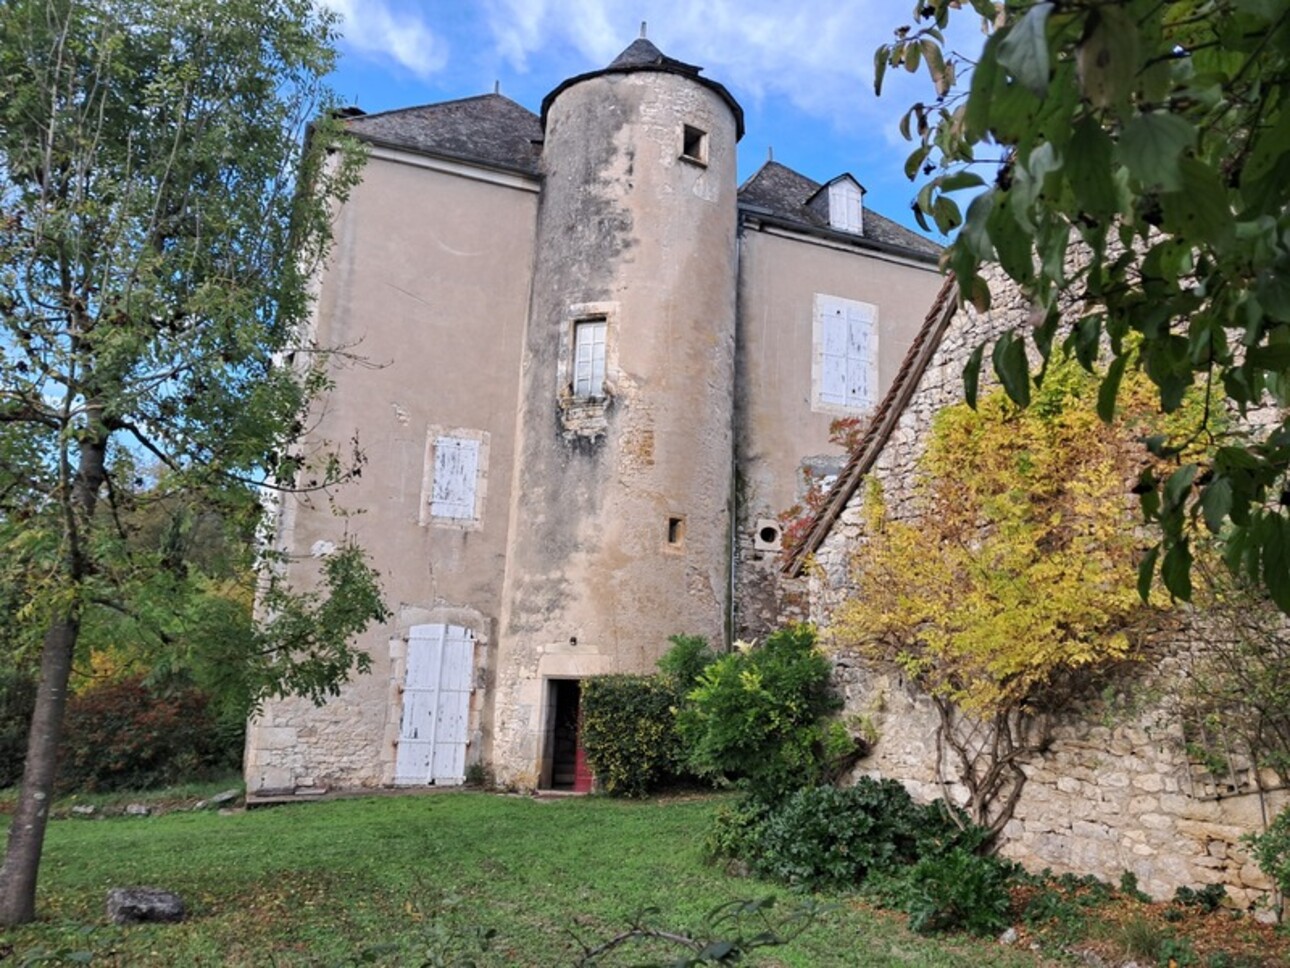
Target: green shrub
(1208, 898)
(629, 732)
(685, 661)
(959, 891)
(17, 698)
(128, 735)
(824, 837)
(736, 829)
(1271, 850)
(759, 716)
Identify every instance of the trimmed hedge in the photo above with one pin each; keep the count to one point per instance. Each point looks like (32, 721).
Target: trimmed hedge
(629, 732)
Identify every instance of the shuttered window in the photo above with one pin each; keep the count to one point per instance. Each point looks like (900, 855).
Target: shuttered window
(847, 347)
(589, 358)
(846, 208)
(456, 472)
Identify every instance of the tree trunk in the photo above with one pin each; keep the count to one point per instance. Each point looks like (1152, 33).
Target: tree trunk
(27, 830)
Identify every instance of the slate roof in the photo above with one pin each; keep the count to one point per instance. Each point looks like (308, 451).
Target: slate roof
(490, 129)
(782, 194)
(641, 55)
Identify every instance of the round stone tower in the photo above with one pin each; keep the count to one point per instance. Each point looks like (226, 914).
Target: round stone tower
(620, 530)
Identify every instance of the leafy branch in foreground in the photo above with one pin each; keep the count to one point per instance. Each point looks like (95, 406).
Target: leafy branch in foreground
(1151, 137)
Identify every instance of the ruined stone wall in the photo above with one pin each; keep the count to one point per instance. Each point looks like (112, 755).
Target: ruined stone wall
(1115, 790)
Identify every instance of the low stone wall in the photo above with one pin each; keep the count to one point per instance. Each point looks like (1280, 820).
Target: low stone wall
(1114, 791)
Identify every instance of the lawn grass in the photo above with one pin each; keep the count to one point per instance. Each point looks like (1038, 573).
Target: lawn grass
(320, 883)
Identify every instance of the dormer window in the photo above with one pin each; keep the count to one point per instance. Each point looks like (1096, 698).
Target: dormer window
(846, 206)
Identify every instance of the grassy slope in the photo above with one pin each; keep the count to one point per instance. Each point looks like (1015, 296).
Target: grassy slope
(317, 883)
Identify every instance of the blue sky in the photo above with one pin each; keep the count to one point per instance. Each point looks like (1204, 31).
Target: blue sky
(802, 69)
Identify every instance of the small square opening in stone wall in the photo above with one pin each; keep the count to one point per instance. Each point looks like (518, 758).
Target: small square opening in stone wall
(675, 531)
(694, 144)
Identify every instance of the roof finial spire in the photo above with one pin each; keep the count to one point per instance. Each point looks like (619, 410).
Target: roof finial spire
(497, 86)
(770, 152)
(642, 30)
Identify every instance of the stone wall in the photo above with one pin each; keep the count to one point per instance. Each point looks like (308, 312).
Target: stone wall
(1114, 790)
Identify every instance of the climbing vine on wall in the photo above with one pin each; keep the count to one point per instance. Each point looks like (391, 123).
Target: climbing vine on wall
(1014, 579)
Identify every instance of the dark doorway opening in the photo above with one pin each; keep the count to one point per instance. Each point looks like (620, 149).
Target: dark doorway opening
(568, 763)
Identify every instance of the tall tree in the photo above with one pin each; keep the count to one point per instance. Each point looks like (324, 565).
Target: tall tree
(1154, 134)
(161, 214)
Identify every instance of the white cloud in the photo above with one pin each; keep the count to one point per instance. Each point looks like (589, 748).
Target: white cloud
(816, 53)
(372, 29)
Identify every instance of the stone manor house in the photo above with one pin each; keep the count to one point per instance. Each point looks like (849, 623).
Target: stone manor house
(588, 370)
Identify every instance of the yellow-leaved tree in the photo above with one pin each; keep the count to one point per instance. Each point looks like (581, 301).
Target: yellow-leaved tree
(1010, 577)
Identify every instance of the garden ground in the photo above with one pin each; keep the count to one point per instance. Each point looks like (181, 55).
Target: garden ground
(423, 879)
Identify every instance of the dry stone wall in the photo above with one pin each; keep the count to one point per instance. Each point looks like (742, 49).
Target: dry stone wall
(1115, 790)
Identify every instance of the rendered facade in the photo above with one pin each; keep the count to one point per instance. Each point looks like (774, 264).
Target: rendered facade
(588, 370)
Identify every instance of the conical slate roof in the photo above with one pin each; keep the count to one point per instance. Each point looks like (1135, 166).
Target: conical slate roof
(642, 55)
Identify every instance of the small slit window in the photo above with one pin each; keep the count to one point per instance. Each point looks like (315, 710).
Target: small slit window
(694, 144)
(675, 530)
(588, 358)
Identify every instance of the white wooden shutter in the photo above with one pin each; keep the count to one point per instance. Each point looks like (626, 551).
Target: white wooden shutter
(832, 323)
(847, 343)
(449, 765)
(436, 706)
(456, 469)
(420, 697)
(862, 357)
(589, 358)
(846, 206)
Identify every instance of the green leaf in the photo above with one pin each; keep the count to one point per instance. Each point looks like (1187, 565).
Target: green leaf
(1011, 241)
(1110, 388)
(1276, 561)
(981, 92)
(1108, 57)
(942, 76)
(1216, 503)
(1175, 570)
(1199, 211)
(947, 214)
(1270, 146)
(880, 68)
(1275, 357)
(1151, 146)
(1023, 52)
(972, 375)
(1012, 368)
(1178, 485)
(961, 179)
(1146, 571)
(915, 161)
(1089, 168)
(975, 237)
